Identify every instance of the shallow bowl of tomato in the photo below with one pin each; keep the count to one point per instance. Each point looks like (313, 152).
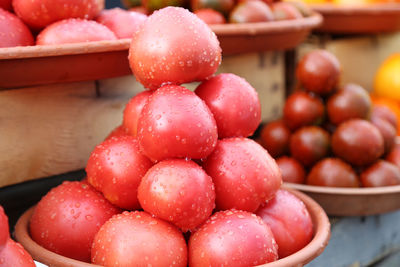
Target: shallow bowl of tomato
(300, 258)
(353, 201)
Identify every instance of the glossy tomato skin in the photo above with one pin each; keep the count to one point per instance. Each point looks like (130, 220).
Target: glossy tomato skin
(251, 11)
(394, 155)
(275, 137)
(173, 46)
(289, 220)
(39, 14)
(4, 228)
(232, 238)
(285, 11)
(138, 239)
(67, 218)
(244, 174)
(121, 22)
(176, 123)
(388, 132)
(178, 191)
(13, 254)
(14, 31)
(210, 16)
(291, 169)
(381, 173)
(74, 31)
(132, 111)
(383, 112)
(5, 4)
(234, 104)
(116, 167)
(222, 6)
(117, 131)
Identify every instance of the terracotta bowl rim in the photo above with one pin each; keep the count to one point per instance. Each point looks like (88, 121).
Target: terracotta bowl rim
(370, 9)
(300, 258)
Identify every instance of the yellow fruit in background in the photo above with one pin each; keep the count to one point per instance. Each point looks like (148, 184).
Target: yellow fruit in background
(387, 78)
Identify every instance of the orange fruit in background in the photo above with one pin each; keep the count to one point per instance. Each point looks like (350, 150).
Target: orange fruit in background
(392, 104)
(387, 78)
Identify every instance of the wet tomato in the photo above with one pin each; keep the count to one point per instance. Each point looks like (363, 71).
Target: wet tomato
(13, 31)
(132, 112)
(210, 16)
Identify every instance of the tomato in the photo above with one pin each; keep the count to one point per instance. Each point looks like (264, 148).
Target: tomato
(289, 220)
(121, 22)
(234, 104)
(232, 238)
(251, 11)
(222, 6)
(138, 239)
(13, 254)
(381, 173)
(244, 174)
(388, 132)
(152, 5)
(131, 3)
(210, 16)
(176, 123)
(291, 169)
(116, 167)
(132, 111)
(173, 46)
(67, 218)
(285, 11)
(74, 31)
(384, 112)
(13, 31)
(4, 228)
(394, 155)
(275, 137)
(333, 172)
(178, 191)
(118, 131)
(39, 14)
(302, 109)
(5, 4)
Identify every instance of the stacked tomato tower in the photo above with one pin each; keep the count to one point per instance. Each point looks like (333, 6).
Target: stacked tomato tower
(181, 167)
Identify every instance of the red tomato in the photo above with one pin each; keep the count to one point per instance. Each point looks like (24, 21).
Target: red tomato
(5, 4)
(292, 171)
(234, 104)
(232, 238)
(244, 174)
(285, 11)
(173, 46)
(116, 167)
(13, 254)
(251, 11)
(210, 16)
(381, 173)
(132, 111)
(13, 31)
(222, 6)
(138, 239)
(122, 22)
(394, 155)
(176, 123)
(178, 191)
(152, 5)
(4, 228)
(74, 31)
(67, 218)
(39, 14)
(289, 220)
(275, 137)
(118, 131)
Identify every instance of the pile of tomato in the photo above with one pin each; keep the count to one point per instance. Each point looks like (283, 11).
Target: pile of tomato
(179, 183)
(332, 135)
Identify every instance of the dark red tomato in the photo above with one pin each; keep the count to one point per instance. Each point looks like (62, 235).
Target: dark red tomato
(67, 218)
(333, 172)
(251, 11)
(385, 113)
(244, 174)
(173, 46)
(121, 22)
(116, 167)
(138, 239)
(232, 238)
(234, 104)
(13, 31)
(74, 31)
(291, 169)
(302, 109)
(176, 123)
(289, 220)
(4, 228)
(285, 11)
(132, 111)
(178, 191)
(389, 133)
(13, 254)
(309, 145)
(131, 3)
(210, 16)
(275, 138)
(319, 72)
(381, 173)
(152, 5)
(222, 6)
(394, 155)
(118, 131)
(39, 14)
(5, 4)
